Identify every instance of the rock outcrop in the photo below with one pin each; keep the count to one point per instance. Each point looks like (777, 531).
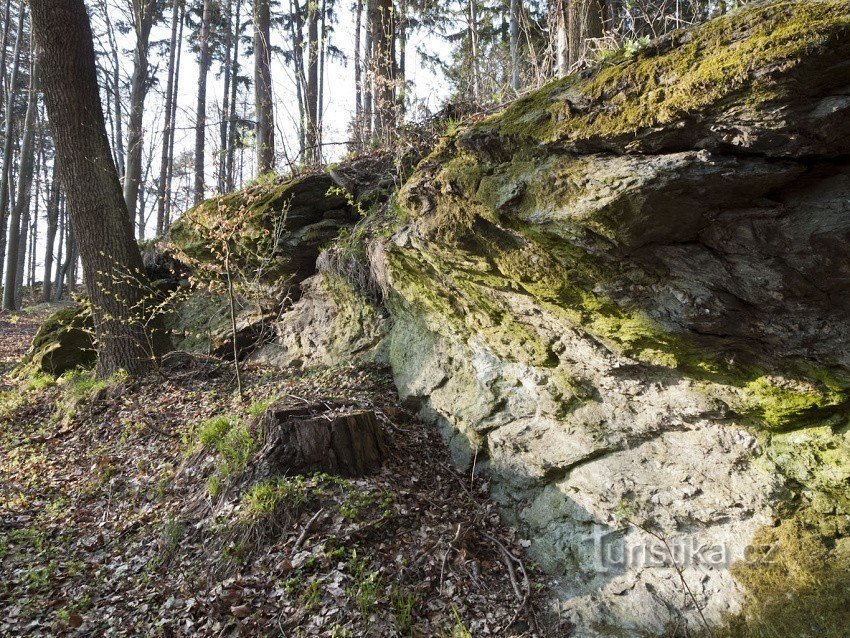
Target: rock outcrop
(626, 298)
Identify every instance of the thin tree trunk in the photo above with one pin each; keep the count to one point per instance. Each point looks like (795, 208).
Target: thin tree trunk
(562, 40)
(118, 139)
(320, 101)
(8, 139)
(201, 112)
(224, 120)
(401, 68)
(7, 17)
(358, 79)
(297, 23)
(312, 94)
(473, 49)
(145, 12)
(169, 181)
(50, 235)
(263, 88)
(514, 38)
(234, 84)
(129, 336)
(383, 39)
(63, 223)
(20, 214)
(368, 65)
(162, 193)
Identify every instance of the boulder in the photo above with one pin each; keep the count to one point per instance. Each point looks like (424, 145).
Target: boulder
(65, 341)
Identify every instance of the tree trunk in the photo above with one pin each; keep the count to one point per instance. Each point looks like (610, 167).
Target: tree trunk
(584, 22)
(357, 132)
(50, 235)
(297, 26)
(170, 179)
(167, 132)
(6, 177)
(145, 13)
(320, 100)
(63, 223)
(234, 85)
(401, 67)
(201, 113)
(312, 94)
(20, 215)
(118, 139)
(263, 88)
(7, 17)
(383, 40)
(473, 50)
(368, 66)
(129, 336)
(224, 120)
(514, 39)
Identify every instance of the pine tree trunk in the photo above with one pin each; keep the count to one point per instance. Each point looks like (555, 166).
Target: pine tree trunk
(224, 120)
(514, 39)
(383, 41)
(144, 14)
(20, 214)
(320, 100)
(118, 139)
(114, 273)
(50, 235)
(7, 17)
(234, 85)
(312, 95)
(297, 27)
(358, 79)
(63, 223)
(369, 70)
(201, 112)
(162, 193)
(8, 139)
(584, 22)
(263, 88)
(170, 179)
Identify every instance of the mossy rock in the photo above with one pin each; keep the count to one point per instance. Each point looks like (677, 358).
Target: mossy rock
(65, 341)
(281, 226)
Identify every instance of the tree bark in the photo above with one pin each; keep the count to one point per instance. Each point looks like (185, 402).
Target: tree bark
(201, 112)
(234, 85)
(162, 193)
(263, 88)
(129, 335)
(584, 22)
(145, 13)
(357, 133)
(383, 42)
(170, 179)
(118, 138)
(19, 218)
(514, 41)
(5, 179)
(50, 235)
(312, 94)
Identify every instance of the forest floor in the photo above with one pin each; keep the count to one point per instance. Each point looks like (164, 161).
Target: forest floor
(121, 515)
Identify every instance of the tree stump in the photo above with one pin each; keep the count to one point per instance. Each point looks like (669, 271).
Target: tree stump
(303, 441)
